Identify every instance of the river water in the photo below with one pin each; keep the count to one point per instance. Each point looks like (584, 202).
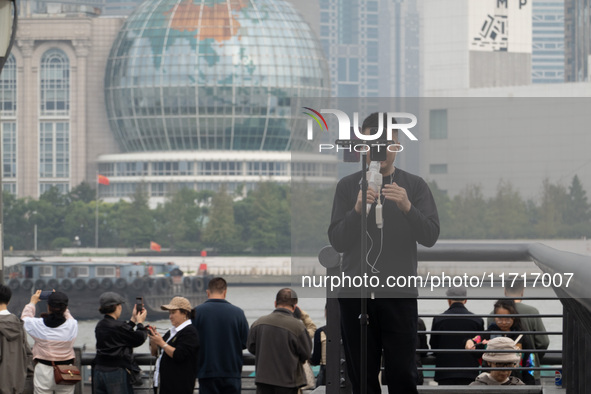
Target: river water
(257, 301)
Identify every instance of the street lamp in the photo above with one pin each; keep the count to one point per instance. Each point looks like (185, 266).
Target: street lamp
(8, 21)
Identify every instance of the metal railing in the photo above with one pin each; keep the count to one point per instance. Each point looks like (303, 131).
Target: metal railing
(576, 333)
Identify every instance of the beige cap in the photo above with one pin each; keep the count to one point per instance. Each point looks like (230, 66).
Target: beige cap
(178, 303)
(501, 343)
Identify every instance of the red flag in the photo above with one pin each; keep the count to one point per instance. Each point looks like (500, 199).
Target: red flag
(103, 180)
(155, 246)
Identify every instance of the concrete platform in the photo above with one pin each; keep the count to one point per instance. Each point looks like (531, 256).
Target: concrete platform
(475, 389)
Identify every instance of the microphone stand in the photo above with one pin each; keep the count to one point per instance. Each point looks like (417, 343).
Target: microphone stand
(363, 317)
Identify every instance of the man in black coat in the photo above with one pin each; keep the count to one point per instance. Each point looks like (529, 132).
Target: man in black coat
(456, 301)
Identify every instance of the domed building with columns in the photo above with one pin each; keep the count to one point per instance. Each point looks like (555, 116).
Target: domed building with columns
(182, 93)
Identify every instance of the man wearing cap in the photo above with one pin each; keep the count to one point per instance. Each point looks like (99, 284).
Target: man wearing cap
(115, 340)
(457, 306)
(280, 344)
(499, 360)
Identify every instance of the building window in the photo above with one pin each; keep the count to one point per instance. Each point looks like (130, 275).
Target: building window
(54, 150)
(79, 271)
(438, 124)
(62, 188)
(55, 83)
(8, 88)
(105, 272)
(437, 168)
(220, 168)
(46, 270)
(8, 149)
(9, 187)
(266, 169)
(130, 169)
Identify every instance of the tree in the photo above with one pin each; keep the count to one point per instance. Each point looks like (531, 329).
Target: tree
(220, 232)
(267, 219)
(444, 210)
(179, 221)
(552, 210)
(135, 223)
(312, 206)
(83, 192)
(80, 221)
(469, 209)
(578, 212)
(506, 213)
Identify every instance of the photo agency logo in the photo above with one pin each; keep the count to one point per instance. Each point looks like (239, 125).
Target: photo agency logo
(350, 137)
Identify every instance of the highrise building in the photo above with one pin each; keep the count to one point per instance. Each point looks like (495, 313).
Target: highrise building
(577, 22)
(548, 41)
(474, 44)
(371, 47)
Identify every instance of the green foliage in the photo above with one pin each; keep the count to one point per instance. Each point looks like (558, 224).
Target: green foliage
(275, 218)
(221, 232)
(60, 242)
(559, 213)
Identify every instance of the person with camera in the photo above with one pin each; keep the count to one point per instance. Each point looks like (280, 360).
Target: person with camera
(114, 368)
(54, 334)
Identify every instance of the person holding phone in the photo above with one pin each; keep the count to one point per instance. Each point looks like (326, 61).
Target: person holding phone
(176, 367)
(115, 371)
(54, 334)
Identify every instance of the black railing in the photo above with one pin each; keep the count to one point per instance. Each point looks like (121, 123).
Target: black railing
(576, 300)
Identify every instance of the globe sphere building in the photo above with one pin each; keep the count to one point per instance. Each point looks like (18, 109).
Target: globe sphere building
(211, 75)
(200, 94)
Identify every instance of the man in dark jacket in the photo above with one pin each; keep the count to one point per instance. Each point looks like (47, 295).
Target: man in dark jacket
(456, 301)
(225, 330)
(115, 340)
(281, 345)
(409, 217)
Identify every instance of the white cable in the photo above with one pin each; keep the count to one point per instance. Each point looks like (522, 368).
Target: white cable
(374, 270)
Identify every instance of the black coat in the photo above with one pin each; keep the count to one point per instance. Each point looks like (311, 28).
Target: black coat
(115, 341)
(178, 373)
(453, 341)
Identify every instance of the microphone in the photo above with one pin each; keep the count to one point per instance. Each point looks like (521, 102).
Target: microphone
(374, 179)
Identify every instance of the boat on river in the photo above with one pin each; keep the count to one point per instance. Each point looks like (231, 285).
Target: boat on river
(84, 281)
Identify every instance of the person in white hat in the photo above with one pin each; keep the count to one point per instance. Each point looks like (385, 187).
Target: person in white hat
(499, 360)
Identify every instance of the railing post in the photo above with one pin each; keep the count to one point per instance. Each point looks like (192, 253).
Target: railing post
(576, 347)
(78, 388)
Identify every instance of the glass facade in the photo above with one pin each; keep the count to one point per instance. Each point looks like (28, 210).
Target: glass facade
(8, 88)
(577, 39)
(211, 75)
(54, 121)
(8, 125)
(548, 41)
(54, 150)
(55, 83)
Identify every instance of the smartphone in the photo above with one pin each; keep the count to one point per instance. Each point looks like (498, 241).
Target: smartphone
(45, 295)
(139, 304)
